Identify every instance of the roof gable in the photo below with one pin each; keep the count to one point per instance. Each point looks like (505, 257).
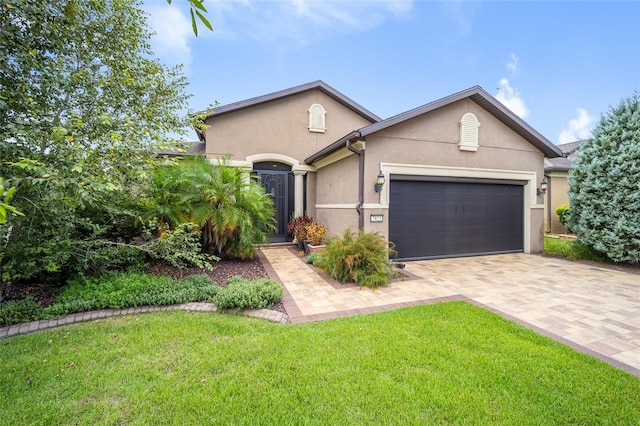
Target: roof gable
(476, 94)
(486, 101)
(314, 85)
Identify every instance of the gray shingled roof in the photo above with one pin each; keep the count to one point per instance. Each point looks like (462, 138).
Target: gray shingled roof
(564, 163)
(476, 94)
(569, 148)
(194, 148)
(560, 164)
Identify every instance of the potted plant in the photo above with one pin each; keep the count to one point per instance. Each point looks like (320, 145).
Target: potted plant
(296, 228)
(315, 234)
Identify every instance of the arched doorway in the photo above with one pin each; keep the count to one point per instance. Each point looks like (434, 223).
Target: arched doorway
(277, 180)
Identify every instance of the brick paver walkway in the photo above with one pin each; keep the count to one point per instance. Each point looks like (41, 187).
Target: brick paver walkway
(595, 310)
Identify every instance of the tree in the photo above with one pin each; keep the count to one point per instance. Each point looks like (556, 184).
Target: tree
(195, 9)
(605, 185)
(84, 107)
(5, 207)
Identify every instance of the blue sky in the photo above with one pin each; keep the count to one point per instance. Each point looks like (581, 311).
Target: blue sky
(558, 65)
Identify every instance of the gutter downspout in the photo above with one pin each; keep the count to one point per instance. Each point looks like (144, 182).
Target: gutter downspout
(360, 154)
(548, 227)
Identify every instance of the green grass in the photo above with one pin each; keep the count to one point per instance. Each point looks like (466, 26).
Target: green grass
(557, 247)
(571, 249)
(438, 364)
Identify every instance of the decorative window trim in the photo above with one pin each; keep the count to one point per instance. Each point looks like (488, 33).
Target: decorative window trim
(317, 118)
(468, 132)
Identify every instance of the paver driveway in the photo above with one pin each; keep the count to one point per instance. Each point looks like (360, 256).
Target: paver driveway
(596, 310)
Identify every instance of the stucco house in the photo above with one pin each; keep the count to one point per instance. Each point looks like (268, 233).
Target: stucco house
(556, 171)
(458, 176)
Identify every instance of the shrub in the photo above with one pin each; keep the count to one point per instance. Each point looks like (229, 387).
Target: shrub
(180, 247)
(18, 311)
(113, 291)
(241, 293)
(562, 211)
(603, 186)
(312, 258)
(124, 290)
(297, 227)
(315, 233)
(361, 257)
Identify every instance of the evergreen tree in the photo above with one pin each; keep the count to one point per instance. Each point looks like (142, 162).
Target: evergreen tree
(605, 185)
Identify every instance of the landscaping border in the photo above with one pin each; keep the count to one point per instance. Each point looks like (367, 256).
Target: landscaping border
(29, 327)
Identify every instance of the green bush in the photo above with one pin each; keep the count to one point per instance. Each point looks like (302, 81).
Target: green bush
(361, 257)
(312, 258)
(131, 289)
(241, 293)
(603, 186)
(181, 247)
(18, 311)
(562, 211)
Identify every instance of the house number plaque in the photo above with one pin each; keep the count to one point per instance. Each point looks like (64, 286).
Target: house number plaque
(376, 217)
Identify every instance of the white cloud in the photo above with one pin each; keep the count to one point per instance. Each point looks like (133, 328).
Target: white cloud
(293, 24)
(513, 63)
(579, 128)
(173, 32)
(510, 98)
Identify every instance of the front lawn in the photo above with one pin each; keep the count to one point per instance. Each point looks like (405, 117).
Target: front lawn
(436, 364)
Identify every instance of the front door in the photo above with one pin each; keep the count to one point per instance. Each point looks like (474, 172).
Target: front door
(277, 180)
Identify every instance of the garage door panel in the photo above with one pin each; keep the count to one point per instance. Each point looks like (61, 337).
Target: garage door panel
(444, 219)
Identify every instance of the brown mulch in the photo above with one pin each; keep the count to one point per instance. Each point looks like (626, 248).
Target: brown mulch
(222, 270)
(45, 293)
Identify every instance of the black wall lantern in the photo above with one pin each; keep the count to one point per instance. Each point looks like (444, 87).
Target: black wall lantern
(543, 187)
(379, 182)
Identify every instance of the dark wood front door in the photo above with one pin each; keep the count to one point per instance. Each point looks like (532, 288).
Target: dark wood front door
(277, 180)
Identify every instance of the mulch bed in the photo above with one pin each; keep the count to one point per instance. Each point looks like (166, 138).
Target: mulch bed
(45, 293)
(222, 270)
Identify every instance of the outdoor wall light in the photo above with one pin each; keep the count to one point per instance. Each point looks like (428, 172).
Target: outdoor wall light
(543, 187)
(379, 182)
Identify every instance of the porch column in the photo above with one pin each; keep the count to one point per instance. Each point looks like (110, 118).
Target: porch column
(298, 192)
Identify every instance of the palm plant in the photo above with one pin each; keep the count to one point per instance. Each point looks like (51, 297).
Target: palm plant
(233, 212)
(167, 197)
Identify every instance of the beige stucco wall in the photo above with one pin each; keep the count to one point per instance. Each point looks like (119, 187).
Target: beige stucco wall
(432, 140)
(558, 194)
(279, 127)
(337, 195)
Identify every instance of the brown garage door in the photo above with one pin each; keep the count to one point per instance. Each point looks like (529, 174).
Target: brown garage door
(433, 217)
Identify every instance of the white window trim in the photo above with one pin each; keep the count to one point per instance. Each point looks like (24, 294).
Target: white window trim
(469, 125)
(317, 110)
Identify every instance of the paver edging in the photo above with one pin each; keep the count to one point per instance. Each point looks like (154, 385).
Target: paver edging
(30, 327)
